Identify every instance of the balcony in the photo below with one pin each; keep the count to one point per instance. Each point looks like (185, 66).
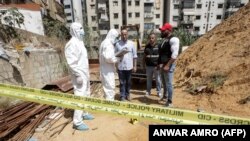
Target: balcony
(187, 22)
(103, 18)
(102, 7)
(234, 4)
(103, 32)
(148, 15)
(149, 1)
(188, 4)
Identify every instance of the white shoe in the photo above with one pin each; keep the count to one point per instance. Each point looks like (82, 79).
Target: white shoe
(147, 94)
(160, 95)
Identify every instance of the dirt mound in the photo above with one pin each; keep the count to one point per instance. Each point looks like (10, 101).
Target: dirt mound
(220, 60)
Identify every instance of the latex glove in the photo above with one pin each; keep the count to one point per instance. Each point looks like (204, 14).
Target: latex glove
(79, 80)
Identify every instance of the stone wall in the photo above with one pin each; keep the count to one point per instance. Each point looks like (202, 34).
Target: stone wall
(37, 68)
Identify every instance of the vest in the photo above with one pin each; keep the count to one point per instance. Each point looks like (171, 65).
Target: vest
(165, 51)
(152, 55)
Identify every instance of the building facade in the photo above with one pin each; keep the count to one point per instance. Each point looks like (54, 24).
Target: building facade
(200, 16)
(197, 16)
(102, 15)
(32, 17)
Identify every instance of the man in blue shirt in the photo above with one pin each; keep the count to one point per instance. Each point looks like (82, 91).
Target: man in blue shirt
(126, 65)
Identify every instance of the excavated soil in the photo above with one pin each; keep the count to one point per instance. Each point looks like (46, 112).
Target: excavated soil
(224, 55)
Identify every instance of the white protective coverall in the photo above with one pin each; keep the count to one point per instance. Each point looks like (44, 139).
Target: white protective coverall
(77, 59)
(107, 61)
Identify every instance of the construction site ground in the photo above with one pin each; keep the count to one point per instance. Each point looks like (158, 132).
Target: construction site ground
(211, 76)
(108, 127)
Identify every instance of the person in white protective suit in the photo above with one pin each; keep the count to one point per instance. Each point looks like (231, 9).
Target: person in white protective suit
(77, 59)
(107, 61)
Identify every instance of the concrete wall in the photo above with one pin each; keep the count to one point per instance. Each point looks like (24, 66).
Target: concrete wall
(37, 69)
(32, 21)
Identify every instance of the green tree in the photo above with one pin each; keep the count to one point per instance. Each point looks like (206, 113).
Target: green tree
(186, 38)
(54, 28)
(8, 20)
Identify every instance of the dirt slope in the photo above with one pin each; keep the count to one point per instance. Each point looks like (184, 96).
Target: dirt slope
(223, 53)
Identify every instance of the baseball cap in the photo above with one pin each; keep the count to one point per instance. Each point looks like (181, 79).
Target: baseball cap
(166, 26)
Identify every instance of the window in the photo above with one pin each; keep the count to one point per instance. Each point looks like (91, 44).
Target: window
(157, 26)
(115, 15)
(92, 6)
(198, 17)
(116, 26)
(196, 28)
(115, 3)
(242, 4)
(218, 17)
(67, 6)
(157, 16)
(129, 3)
(93, 18)
(94, 28)
(137, 3)
(176, 6)
(129, 15)
(220, 5)
(175, 1)
(198, 6)
(68, 14)
(175, 18)
(189, 4)
(137, 14)
(149, 25)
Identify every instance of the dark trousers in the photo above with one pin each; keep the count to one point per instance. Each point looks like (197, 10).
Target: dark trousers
(125, 82)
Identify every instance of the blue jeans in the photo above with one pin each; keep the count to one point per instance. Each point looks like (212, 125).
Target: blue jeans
(125, 82)
(150, 71)
(167, 80)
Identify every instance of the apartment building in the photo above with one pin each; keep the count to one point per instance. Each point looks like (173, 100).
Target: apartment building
(53, 8)
(102, 15)
(74, 10)
(200, 16)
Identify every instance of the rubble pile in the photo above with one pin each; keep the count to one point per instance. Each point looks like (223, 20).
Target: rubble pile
(220, 60)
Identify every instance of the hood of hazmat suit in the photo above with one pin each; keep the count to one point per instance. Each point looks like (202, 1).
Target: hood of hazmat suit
(107, 61)
(107, 52)
(77, 59)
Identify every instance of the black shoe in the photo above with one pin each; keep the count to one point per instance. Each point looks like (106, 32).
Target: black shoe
(169, 103)
(163, 98)
(122, 99)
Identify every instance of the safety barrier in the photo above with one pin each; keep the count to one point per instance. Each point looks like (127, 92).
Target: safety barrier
(133, 110)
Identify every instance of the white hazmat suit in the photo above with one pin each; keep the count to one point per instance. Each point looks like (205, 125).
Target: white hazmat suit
(107, 61)
(77, 59)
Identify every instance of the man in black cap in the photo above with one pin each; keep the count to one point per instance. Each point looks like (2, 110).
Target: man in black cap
(168, 52)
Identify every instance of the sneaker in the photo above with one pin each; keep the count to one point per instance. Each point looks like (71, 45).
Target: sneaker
(122, 99)
(147, 94)
(88, 117)
(168, 104)
(163, 97)
(159, 95)
(81, 127)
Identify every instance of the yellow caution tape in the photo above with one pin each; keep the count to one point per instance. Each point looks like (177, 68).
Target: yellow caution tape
(133, 110)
